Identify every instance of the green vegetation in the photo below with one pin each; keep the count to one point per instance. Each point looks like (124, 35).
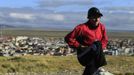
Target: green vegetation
(39, 64)
(34, 33)
(120, 64)
(57, 34)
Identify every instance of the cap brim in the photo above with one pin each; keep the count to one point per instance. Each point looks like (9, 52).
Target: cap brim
(100, 14)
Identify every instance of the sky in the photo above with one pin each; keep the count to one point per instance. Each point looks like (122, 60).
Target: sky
(66, 14)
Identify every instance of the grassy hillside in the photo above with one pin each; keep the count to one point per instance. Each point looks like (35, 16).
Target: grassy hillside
(68, 65)
(37, 33)
(57, 34)
(62, 64)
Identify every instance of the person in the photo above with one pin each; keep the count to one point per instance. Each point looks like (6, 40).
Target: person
(89, 39)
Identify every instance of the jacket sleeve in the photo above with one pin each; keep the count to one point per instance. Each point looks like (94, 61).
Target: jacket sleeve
(70, 38)
(104, 38)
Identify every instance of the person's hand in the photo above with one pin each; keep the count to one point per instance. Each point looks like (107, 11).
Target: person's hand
(96, 45)
(93, 47)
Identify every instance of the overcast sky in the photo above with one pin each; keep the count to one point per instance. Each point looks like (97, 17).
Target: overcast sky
(66, 14)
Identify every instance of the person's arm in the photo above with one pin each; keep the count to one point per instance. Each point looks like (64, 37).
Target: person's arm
(104, 38)
(70, 38)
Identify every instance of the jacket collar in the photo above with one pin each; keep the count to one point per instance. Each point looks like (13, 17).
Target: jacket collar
(91, 26)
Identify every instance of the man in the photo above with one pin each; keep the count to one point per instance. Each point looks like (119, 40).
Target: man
(89, 39)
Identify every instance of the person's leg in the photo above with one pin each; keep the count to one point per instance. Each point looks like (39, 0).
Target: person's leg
(100, 59)
(90, 69)
(87, 71)
(94, 63)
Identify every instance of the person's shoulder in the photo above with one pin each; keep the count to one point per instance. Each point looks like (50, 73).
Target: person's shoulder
(102, 24)
(81, 25)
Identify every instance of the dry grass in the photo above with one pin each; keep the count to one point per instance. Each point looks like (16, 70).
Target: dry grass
(57, 34)
(120, 64)
(55, 64)
(38, 64)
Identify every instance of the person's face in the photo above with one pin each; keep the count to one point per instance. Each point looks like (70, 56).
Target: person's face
(95, 20)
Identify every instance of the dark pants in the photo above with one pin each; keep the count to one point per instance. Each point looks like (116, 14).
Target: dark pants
(96, 61)
(90, 69)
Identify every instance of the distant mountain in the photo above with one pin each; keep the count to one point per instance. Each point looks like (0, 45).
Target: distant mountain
(47, 28)
(7, 26)
(27, 27)
(14, 26)
(120, 30)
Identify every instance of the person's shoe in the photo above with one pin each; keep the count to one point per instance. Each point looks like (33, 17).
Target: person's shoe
(98, 71)
(105, 73)
(102, 71)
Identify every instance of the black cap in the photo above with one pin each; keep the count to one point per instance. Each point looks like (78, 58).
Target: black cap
(94, 12)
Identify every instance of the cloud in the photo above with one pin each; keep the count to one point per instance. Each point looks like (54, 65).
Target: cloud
(69, 13)
(55, 17)
(65, 5)
(57, 3)
(119, 21)
(25, 16)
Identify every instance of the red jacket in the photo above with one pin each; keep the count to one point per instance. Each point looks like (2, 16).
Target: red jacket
(88, 35)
